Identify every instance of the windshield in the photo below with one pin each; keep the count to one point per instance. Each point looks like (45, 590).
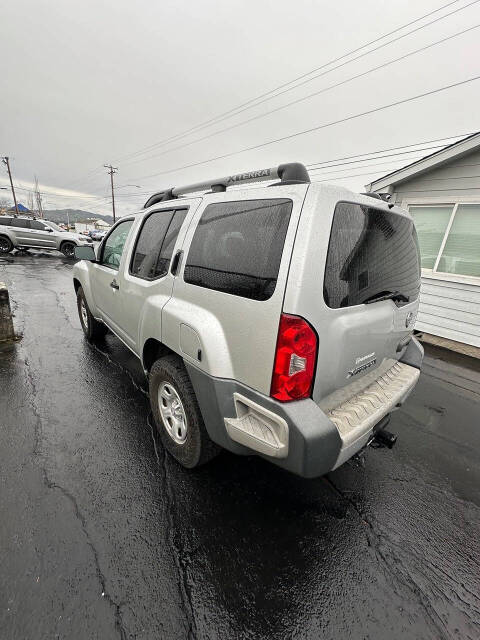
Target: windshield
(372, 254)
(53, 225)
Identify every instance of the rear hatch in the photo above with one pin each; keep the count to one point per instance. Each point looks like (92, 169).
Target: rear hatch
(363, 253)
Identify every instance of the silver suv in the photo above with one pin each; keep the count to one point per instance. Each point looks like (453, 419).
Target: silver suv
(274, 321)
(21, 232)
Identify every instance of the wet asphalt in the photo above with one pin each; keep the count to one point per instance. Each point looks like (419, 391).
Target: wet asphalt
(103, 535)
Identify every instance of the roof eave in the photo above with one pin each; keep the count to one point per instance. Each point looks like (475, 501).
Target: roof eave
(447, 154)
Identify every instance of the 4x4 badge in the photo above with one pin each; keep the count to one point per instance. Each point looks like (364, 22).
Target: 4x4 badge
(409, 319)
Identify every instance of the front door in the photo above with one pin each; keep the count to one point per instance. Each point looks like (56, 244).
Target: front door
(41, 236)
(146, 282)
(104, 281)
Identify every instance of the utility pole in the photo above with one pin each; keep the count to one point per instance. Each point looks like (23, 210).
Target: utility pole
(110, 173)
(7, 163)
(38, 198)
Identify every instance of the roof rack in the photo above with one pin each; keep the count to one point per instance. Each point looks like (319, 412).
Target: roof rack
(380, 196)
(290, 173)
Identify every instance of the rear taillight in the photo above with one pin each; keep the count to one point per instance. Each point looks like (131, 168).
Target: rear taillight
(294, 366)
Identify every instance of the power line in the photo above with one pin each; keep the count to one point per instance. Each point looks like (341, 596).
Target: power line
(267, 96)
(406, 146)
(304, 98)
(312, 129)
(365, 166)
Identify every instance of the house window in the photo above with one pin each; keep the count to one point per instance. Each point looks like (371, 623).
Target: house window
(449, 238)
(431, 224)
(461, 253)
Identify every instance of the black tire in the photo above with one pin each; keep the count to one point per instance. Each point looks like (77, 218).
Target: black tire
(93, 329)
(197, 449)
(6, 245)
(68, 249)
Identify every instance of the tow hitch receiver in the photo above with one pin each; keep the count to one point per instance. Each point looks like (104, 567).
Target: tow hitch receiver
(384, 438)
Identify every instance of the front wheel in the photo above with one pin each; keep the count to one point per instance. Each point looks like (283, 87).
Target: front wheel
(177, 414)
(93, 329)
(68, 249)
(6, 245)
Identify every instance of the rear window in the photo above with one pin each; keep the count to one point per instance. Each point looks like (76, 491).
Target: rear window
(237, 247)
(371, 253)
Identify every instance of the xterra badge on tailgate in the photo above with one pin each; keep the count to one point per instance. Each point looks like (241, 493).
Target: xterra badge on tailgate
(362, 363)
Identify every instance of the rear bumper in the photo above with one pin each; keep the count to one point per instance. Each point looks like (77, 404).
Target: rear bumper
(299, 436)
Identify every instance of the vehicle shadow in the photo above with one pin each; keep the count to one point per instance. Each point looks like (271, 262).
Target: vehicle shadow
(253, 543)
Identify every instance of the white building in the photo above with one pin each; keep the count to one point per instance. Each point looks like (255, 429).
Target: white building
(90, 225)
(442, 191)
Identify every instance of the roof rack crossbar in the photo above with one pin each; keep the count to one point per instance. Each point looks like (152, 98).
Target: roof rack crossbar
(290, 173)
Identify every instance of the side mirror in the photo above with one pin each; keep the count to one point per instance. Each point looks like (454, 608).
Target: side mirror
(49, 229)
(85, 253)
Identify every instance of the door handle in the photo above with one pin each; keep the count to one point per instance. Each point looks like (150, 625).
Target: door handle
(114, 284)
(176, 263)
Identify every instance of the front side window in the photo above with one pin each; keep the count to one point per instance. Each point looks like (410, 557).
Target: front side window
(155, 243)
(38, 226)
(237, 247)
(371, 253)
(113, 248)
(5, 221)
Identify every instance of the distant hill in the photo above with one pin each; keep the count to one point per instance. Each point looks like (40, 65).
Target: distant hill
(74, 215)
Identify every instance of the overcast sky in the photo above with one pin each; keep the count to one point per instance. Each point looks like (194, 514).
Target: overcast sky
(93, 82)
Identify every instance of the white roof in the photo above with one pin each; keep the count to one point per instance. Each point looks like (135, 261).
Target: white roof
(452, 151)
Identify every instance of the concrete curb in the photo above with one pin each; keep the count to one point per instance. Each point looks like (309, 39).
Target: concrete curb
(7, 332)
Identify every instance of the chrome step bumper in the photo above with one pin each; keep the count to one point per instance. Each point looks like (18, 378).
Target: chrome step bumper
(356, 417)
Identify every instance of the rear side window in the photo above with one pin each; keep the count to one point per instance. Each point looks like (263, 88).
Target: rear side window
(371, 253)
(20, 223)
(237, 247)
(166, 251)
(155, 243)
(5, 221)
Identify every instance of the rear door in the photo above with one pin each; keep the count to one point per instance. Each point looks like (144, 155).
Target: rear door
(354, 253)
(21, 230)
(224, 312)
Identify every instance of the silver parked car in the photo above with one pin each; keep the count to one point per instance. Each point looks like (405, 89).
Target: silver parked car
(21, 232)
(275, 321)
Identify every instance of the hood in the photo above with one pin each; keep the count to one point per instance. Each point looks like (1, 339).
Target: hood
(70, 235)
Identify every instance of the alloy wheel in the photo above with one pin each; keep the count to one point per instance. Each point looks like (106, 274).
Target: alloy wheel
(172, 412)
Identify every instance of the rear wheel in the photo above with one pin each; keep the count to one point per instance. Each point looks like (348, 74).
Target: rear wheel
(68, 249)
(93, 329)
(177, 414)
(6, 245)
